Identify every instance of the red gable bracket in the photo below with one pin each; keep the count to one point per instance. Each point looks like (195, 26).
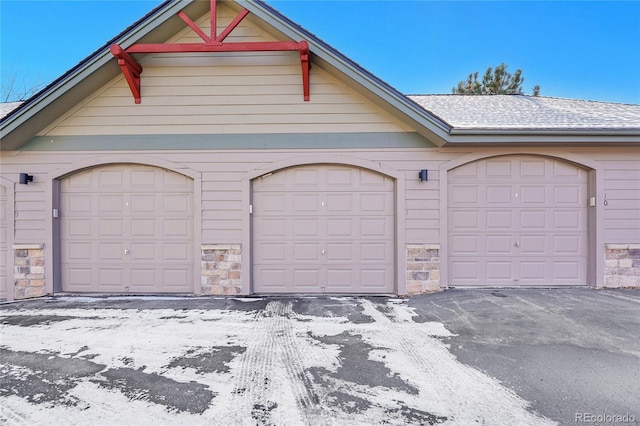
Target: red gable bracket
(132, 69)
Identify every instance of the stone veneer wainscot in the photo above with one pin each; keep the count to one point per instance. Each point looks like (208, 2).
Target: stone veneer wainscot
(622, 265)
(29, 270)
(221, 269)
(423, 268)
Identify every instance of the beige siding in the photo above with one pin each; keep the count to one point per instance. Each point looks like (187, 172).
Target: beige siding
(232, 93)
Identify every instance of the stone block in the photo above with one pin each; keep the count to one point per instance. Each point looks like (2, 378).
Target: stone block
(234, 275)
(36, 283)
(420, 275)
(611, 263)
(625, 263)
(22, 253)
(414, 287)
(37, 269)
(20, 293)
(35, 292)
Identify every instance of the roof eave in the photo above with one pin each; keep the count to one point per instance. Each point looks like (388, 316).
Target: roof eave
(593, 136)
(12, 132)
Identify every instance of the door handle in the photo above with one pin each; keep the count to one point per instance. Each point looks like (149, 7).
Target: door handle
(126, 251)
(517, 244)
(322, 251)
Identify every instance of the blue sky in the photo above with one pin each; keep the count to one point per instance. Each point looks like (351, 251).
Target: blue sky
(572, 49)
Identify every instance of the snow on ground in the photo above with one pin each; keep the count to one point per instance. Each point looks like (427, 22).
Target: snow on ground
(271, 365)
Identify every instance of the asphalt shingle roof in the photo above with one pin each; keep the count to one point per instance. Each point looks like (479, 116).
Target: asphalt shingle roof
(528, 112)
(7, 107)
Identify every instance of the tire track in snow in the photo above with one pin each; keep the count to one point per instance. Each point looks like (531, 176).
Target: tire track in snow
(272, 383)
(447, 387)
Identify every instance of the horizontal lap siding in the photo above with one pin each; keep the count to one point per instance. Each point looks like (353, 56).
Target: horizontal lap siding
(622, 191)
(230, 93)
(222, 174)
(223, 171)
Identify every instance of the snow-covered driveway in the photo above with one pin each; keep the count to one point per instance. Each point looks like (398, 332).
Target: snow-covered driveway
(303, 361)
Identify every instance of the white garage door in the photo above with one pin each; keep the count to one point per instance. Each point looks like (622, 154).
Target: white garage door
(4, 283)
(127, 229)
(323, 229)
(517, 220)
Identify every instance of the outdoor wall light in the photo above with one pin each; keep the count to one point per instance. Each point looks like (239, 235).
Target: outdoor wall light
(25, 178)
(423, 176)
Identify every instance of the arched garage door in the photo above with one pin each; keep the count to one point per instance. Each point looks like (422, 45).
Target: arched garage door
(323, 229)
(517, 220)
(126, 229)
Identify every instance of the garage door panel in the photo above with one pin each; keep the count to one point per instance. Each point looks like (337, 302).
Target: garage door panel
(499, 270)
(465, 244)
(123, 226)
(375, 252)
(498, 195)
(534, 219)
(304, 227)
(534, 244)
(532, 169)
(107, 204)
(271, 251)
(464, 195)
(341, 280)
(78, 251)
(569, 220)
(107, 227)
(567, 194)
(540, 231)
(78, 204)
(341, 227)
(111, 278)
(306, 203)
(340, 203)
(341, 252)
(375, 228)
(567, 270)
(306, 252)
(535, 195)
(177, 252)
(498, 244)
(109, 251)
(307, 278)
(144, 227)
(332, 221)
(470, 219)
(534, 270)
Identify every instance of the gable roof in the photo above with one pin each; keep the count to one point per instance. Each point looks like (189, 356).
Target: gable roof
(441, 119)
(162, 23)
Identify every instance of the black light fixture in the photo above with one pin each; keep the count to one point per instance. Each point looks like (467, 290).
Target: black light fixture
(25, 178)
(423, 175)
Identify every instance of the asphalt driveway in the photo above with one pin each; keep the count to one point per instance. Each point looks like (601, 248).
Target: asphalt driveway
(495, 357)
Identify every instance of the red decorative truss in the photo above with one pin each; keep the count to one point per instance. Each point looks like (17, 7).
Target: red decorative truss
(214, 43)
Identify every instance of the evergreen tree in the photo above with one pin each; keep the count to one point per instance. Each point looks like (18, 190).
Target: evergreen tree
(496, 81)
